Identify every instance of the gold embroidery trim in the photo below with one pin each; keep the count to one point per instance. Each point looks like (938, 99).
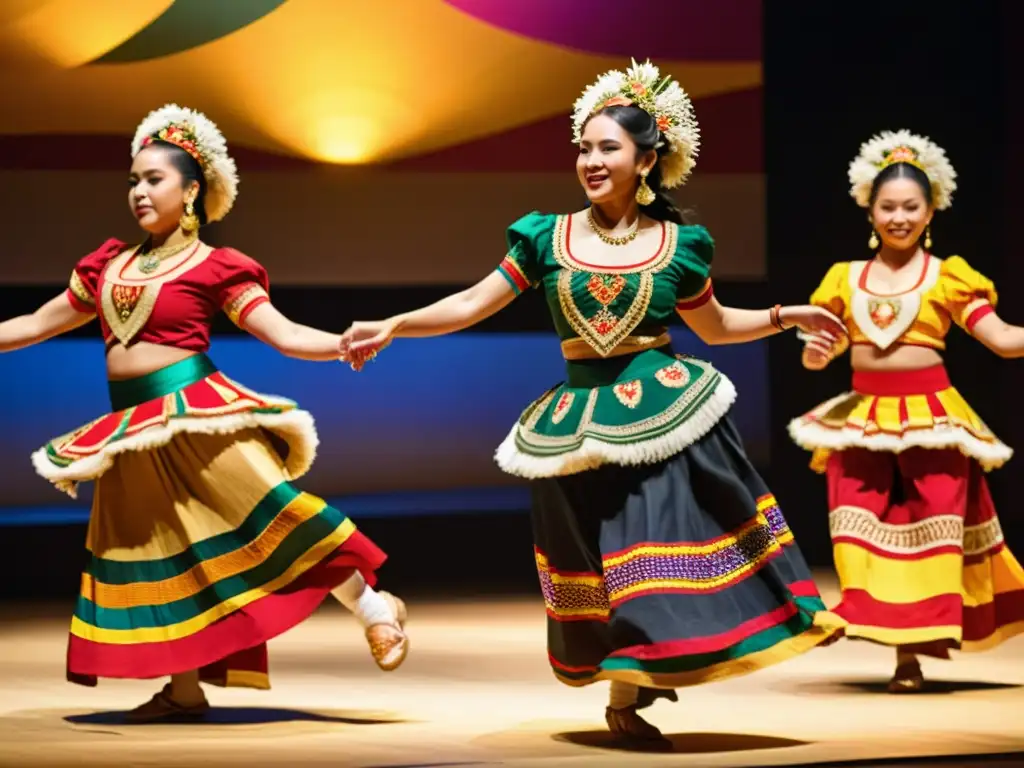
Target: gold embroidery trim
(603, 344)
(126, 330)
(237, 305)
(580, 349)
(78, 288)
(658, 263)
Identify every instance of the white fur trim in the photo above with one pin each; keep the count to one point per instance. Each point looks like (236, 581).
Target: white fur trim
(594, 452)
(812, 436)
(297, 428)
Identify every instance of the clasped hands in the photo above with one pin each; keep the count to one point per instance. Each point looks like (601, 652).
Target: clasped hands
(363, 340)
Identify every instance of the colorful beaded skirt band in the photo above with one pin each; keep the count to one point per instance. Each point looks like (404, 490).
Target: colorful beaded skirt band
(199, 548)
(894, 411)
(672, 574)
(189, 396)
(627, 410)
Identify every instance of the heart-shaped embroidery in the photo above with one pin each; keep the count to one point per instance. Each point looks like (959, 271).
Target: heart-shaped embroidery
(883, 312)
(629, 393)
(674, 376)
(606, 288)
(562, 407)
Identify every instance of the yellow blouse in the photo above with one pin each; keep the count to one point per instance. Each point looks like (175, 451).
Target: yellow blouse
(948, 290)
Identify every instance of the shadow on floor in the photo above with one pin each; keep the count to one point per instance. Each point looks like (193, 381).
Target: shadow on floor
(220, 716)
(683, 743)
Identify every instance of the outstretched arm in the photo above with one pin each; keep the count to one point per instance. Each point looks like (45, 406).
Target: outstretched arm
(716, 324)
(1002, 338)
(55, 317)
(453, 313)
(291, 339)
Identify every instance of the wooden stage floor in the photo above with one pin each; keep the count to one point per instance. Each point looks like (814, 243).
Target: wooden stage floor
(476, 691)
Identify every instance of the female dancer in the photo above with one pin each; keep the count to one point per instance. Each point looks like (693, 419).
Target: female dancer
(663, 558)
(201, 550)
(917, 544)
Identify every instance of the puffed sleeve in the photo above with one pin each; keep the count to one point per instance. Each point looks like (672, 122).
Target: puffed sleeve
(829, 294)
(969, 295)
(242, 284)
(695, 250)
(82, 286)
(521, 266)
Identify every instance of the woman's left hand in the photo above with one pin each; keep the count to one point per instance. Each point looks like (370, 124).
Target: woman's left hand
(817, 321)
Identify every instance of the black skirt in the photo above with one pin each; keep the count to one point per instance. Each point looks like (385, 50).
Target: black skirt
(672, 574)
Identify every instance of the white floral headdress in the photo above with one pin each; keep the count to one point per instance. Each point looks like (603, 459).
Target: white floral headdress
(195, 133)
(663, 99)
(891, 147)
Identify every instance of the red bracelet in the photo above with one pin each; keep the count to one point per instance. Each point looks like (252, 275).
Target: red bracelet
(774, 318)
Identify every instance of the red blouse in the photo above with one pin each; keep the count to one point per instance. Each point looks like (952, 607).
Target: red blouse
(174, 307)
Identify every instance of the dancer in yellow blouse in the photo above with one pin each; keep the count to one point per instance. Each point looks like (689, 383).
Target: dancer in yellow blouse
(917, 544)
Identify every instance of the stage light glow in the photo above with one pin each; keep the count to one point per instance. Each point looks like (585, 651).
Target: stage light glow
(340, 81)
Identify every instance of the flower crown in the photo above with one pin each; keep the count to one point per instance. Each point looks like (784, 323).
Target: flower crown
(890, 147)
(199, 136)
(663, 99)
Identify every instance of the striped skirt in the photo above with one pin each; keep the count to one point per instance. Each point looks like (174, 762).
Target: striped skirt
(672, 574)
(917, 544)
(200, 549)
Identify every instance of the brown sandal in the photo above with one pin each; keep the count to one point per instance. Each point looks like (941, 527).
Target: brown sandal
(389, 643)
(906, 679)
(627, 723)
(163, 709)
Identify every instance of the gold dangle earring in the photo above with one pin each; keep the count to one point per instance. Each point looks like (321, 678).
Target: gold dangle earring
(928, 237)
(873, 241)
(189, 221)
(644, 194)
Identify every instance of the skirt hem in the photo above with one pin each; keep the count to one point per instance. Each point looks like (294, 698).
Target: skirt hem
(594, 452)
(781, 652)
(296, 427)
(246, 628)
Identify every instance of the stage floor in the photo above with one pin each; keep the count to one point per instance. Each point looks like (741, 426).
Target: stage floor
(476, 691)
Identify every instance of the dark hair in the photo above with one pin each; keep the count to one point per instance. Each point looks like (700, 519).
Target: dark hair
(901, 171)
(643, 130)
(190, 171)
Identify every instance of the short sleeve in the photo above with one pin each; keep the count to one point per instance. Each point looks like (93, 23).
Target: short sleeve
(969, 295)
(242, 285)
(833, 287)
(695, 250)
(85, 277)
(521, 266)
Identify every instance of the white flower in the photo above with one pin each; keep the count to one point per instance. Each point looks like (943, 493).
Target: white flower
(663, 99)
(878, 153)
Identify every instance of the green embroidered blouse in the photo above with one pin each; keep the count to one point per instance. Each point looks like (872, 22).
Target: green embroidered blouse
(628, 398)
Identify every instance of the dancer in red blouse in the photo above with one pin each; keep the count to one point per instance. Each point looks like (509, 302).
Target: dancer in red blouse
(200, 548)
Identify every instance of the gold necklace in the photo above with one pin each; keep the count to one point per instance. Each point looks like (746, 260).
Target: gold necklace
(612, 239)
(151, 260)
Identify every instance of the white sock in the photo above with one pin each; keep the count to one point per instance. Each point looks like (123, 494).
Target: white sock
(369, 607)
(622, 695)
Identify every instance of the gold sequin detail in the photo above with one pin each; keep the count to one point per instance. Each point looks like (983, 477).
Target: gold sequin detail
(233, 309)
(80, 291)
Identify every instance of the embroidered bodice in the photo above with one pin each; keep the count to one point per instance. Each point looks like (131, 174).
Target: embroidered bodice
(600, 306)
(173, 307)
(947, 291)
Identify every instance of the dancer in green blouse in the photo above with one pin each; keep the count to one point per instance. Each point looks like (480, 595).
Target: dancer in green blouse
(663, 557)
